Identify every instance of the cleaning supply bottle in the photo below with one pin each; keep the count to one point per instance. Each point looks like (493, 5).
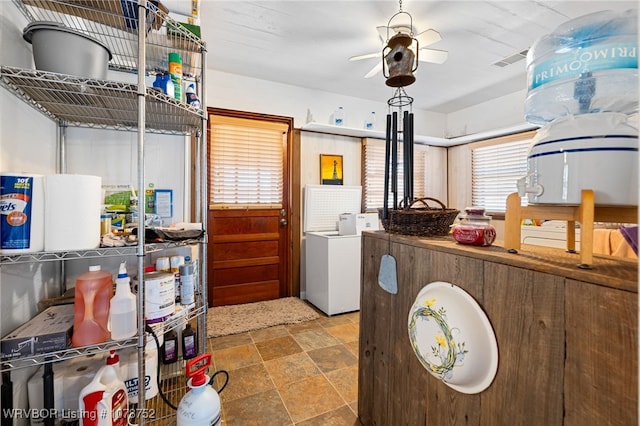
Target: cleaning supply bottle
(164, 84)
(103, 402)
(122, 311)
(175, 71)
(91, 317)
(187, 283)
(201, 405)
(175, 262)
(129, 369)
(189, 342)
(192, 97)
(170, 347)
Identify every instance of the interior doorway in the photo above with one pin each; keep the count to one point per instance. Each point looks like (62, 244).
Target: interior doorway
(249, 207)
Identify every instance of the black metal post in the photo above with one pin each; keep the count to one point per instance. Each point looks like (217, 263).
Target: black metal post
(394, 159)
(387, 153)
(411, 151)
(406, 159)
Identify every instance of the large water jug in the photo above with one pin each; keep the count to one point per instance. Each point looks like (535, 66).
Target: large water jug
(587, 65)
(93, 293)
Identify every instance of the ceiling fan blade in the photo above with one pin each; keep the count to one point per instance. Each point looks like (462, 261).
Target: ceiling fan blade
(385, 34)
(428, 37)
(432, 55)
(365, 56)
(382, 33)
(375, 70)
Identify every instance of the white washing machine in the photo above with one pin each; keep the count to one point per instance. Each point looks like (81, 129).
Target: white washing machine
(332, 261)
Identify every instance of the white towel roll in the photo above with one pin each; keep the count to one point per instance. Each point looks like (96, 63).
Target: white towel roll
(72, 212)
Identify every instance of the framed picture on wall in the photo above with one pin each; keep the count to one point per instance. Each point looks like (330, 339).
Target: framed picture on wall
(331, 169)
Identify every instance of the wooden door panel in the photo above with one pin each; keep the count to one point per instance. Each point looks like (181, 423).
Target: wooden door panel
(245, 259)
(231, 276)
(247, 250)
(234, 295)
(246, 225)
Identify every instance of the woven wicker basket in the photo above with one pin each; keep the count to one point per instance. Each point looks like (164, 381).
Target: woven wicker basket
(424, 221)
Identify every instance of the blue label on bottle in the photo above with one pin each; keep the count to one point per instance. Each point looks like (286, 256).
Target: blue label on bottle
(15, 212)
(589, 59)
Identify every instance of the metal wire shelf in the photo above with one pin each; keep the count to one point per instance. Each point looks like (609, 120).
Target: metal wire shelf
(114, 22)
(98, 103)
(92, 253)
(69, 353)
(81, 102)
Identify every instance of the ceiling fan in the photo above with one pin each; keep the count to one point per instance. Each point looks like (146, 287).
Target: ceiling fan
(425, 54)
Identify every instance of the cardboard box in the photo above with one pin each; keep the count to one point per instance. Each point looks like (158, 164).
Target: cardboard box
(48, 331)
(354, 224)
(121, 14)
(188, 22)
(193, 29)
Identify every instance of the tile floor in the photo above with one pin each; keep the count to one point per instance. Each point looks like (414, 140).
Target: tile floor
(302, 374)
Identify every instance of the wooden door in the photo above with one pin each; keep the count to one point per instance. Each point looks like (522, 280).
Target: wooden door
(249, 235)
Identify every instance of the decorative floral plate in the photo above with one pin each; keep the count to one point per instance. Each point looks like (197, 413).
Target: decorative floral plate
(453, 338)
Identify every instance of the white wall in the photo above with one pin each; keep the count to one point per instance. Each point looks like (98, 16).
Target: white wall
(248, 94)
(503, 112)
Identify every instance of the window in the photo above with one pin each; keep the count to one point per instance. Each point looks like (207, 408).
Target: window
(373, 173)
(495, 170)
(246, 162)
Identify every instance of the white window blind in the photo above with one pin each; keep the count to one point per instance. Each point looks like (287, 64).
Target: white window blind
(246, 162)
(495, 169)
(373, 173)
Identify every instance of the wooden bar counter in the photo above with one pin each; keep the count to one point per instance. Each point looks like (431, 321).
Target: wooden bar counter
(567, 337)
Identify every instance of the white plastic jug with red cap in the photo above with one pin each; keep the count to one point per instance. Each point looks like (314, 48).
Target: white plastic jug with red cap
(201, 405)
(104, 402)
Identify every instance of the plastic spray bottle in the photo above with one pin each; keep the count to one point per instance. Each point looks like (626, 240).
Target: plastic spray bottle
(104, 400)
(123, 312)
(201, 405)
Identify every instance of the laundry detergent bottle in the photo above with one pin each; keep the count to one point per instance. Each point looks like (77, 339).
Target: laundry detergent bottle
(201, 405)
(91, 316)
(103, 402)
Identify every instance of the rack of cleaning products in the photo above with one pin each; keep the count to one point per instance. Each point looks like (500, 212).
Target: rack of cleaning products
(119, 42)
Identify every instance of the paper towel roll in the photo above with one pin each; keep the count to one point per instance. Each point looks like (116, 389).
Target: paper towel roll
(21, 213)
(72, 212)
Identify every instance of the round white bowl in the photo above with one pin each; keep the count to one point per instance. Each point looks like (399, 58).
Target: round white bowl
(453, 338)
